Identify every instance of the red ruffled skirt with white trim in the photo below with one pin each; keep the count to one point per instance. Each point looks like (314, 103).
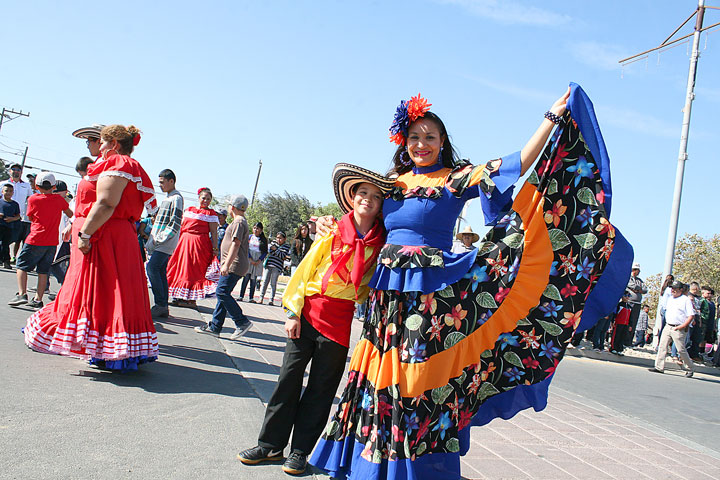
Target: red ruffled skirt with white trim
(190, 268)
(102, 311)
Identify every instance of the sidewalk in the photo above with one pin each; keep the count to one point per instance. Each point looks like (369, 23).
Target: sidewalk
(640, 356)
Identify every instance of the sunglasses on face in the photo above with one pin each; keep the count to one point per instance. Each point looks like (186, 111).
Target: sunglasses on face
(91, 140)
(15, 169)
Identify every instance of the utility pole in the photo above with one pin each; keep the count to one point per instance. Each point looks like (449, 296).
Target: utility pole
(257, 179)
(689, 97)
(9, 112)
(22, 165)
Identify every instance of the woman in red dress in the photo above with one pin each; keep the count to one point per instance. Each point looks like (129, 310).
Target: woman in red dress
(189, 270)
(102, 312)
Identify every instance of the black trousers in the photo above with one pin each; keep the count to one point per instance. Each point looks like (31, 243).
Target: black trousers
(634, 316)
(308, 413)
(6, 238)
(619, 336)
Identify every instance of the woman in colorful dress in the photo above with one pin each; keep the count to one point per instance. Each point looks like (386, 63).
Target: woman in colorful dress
(189, 269)
(457, 339)
(102, 311)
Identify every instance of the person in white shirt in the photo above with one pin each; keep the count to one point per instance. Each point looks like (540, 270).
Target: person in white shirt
(21, 193)
(466, 238)
(679, 313)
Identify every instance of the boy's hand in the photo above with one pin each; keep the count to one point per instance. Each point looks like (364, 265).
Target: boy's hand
(292, 327)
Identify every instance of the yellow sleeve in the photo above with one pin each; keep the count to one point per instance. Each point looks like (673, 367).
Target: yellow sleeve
(294, 296)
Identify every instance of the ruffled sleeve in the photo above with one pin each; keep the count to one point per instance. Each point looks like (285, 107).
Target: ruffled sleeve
(493, 182)
(128, 168)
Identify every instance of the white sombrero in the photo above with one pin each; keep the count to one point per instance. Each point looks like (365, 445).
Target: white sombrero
(346, 176)
(469, 230)
(92, 131)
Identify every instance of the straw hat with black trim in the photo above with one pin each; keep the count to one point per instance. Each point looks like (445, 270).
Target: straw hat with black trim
(346, 176)
(468, 229)
(91, 132)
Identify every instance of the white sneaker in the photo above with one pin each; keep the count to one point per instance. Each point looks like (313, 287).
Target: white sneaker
(240, 331)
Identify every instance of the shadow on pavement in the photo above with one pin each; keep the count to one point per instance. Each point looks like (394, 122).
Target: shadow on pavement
(171, 378)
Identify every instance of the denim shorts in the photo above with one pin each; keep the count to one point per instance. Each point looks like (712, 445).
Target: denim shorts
(35, 256)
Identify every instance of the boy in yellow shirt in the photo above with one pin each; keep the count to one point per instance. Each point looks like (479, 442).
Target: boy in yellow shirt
(319, 301)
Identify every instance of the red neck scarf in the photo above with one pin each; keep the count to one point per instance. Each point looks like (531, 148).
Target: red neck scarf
(347, 235)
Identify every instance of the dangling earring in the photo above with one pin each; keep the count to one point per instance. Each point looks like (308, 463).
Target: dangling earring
(405, 159)
(440, 159)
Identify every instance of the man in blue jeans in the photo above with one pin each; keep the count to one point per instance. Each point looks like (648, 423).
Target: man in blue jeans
(164, 237)
(234, 263)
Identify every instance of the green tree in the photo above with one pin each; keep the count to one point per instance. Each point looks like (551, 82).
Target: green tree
(280, 212)
(697, 259)
(4, 175)
(329, 209)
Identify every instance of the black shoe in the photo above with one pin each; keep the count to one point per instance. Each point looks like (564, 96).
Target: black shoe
(255, 455)
(32, 303)
(655, 370)
(689, 374)
(7, 265)
(295, 463)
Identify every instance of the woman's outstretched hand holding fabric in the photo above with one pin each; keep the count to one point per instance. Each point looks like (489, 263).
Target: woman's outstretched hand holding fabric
(534, 146)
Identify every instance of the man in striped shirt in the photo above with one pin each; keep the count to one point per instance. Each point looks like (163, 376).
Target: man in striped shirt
(163, 239)
(277, 253)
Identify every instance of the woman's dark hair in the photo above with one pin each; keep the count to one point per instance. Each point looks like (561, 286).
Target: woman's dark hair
(450, 157)
(83, 163)
(263, 239)
(668, 281)
(298, 232)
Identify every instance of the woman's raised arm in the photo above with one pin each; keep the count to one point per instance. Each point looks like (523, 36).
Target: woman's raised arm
(534, 146)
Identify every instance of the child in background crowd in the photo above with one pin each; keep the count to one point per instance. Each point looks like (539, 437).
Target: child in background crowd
(641, 328)
(9, 216)
(62, 253)
(44, 211)
(319, 302)
(274, 264)
(621, 326)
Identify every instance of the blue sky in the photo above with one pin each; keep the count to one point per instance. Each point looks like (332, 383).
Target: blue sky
(216, 86)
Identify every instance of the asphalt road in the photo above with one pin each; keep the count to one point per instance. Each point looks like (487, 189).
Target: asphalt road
(686, 407)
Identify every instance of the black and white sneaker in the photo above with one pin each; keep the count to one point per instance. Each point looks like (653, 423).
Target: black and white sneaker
(295, 464)
(206, 329)
(240, 331)
(255, 455)
(32, 303)
(18, 300)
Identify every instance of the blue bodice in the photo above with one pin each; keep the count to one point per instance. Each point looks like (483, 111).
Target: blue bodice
(426, 217)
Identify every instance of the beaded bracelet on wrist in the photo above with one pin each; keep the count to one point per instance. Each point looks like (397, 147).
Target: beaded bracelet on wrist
(553, 118)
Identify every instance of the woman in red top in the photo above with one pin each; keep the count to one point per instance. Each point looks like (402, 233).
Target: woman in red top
(189, 269)
(102, 311)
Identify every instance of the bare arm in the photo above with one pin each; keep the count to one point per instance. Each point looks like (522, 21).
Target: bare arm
(534, 146)
(214, 236)
(109, 193)
(231, 256)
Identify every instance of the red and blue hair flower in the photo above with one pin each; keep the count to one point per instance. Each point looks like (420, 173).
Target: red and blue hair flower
(406, 113)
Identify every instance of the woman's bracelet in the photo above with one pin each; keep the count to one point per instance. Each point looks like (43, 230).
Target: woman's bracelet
(552, 117)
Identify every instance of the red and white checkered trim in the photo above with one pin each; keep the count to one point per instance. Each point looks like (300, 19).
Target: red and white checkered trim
(194, 294)
(79, 342)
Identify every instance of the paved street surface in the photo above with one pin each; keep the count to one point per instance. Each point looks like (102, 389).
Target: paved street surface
(187, 415)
